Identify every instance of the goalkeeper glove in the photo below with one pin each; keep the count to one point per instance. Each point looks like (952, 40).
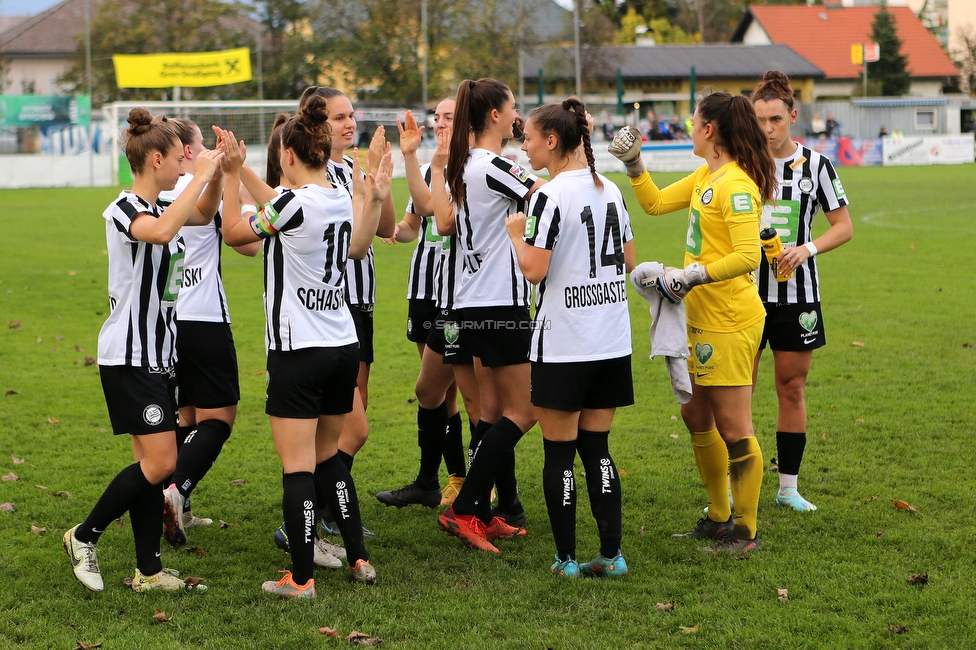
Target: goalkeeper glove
(676, 283)
(626, 147)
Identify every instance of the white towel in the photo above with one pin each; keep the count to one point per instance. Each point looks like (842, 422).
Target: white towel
(669, 333)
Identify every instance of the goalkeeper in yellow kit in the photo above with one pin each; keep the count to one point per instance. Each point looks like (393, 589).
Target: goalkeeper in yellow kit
(724, 313)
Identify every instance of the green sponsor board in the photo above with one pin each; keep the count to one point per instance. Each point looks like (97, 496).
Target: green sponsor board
(44, 110)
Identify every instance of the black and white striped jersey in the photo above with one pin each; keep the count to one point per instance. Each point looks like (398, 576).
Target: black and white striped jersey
(360, 274)
(307, 232)
(427, 254)
(143, 283)
(807, 183)
(487, 272)
(202, 296)
(581, 309)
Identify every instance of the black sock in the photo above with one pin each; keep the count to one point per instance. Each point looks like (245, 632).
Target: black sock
(340, 494)
(346, 459)
(789, 451)
(477, 434)
(603, 487)
(124, 490)
(495, 448)
(298, 507)
(457, 464)
(431, 428)
(559, 487)
(146, 518)
(505, 481)
(181, 434)
(199, 451)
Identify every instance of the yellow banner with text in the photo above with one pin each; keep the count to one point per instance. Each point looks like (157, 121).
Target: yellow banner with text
(197, 69)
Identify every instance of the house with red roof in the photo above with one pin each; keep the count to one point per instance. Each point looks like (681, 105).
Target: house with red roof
(823, 35)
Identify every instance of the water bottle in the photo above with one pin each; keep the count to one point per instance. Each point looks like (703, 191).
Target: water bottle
(773, 246)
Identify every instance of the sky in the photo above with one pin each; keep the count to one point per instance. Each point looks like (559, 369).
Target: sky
(31, 7)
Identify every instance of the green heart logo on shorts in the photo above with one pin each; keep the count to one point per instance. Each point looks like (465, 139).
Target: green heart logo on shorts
(451, 332)
(808, 320)
(703, 351)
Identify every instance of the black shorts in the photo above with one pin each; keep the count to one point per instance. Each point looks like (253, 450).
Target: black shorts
(311, 382)
(421, 315)
(206, 369)
(447, 339)
(499, 336)
(362, 316)
(793, 328)
(140, 400)
(578, 385)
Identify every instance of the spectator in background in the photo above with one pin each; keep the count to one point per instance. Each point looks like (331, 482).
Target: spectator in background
(609, 129)
(817, 126)
(833, 126)
(677, 128)
(897, 133)
(883, 133)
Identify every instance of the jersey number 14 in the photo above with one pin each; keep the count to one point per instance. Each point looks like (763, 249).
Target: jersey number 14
(612, 240)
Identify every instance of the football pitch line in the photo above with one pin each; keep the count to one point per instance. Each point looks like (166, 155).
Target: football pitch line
(878, 218)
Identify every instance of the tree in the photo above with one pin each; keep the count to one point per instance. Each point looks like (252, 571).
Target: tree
(288, 64)
(891, 69)
(148, 26)
(966, 59)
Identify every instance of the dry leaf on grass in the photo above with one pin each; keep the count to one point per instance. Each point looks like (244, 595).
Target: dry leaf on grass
(41, 487)
(10, 476)
(58, 337)
(40, 340)
(259, 373)
(640, 531)
(13, 324)
(7, 507)
(196, 550)
(783, 594)
(17, 461)
(193, 582)
(689, 630)
(37, 530)
(238, 482)
(857, 344)
(224, 524)
(897, 629)
(127, 581)
(86, 646)
(11, 391)
(53, 421)
(665, 607)
(674, 436)
(119, 522)
(879, 533)
(328, 631)
(918, 579)
(359, 638)
(63, 493)
(902, 505)
(89, 361)
(160, 617)
(78, 348)
(869, 499)
(674, 418)
(859, 421)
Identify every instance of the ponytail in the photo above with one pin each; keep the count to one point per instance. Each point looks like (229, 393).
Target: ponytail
(272, 169)
(738, 131)
(567, 121)
(475, 100)
(774, 85)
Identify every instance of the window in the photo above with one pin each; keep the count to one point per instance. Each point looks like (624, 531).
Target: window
(924, 120)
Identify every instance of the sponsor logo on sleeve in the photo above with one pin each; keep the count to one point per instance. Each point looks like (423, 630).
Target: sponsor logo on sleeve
(741, 203)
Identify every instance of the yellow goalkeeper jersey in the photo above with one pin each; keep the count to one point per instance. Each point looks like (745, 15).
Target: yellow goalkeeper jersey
(723, 235)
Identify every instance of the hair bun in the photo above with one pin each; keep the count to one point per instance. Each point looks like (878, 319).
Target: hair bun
(139, 120)
(776, 75)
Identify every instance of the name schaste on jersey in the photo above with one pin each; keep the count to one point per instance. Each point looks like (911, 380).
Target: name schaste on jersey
(581, 305)
(307, 231)
(143, 283)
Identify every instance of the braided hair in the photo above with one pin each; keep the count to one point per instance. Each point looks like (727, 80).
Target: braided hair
(567, 121)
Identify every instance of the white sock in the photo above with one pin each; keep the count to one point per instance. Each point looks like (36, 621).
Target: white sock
(787, 481)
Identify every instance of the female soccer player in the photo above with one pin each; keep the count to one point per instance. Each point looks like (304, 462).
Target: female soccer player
(794, 320)
(578, 247)
(136, 345)
(491, 296)
(308, 233)
(206, 367)
(430, 291)
(725, 315)
(360, 277)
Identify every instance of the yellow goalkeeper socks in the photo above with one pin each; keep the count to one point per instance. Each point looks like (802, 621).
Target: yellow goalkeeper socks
(745, 476)
(712, 457)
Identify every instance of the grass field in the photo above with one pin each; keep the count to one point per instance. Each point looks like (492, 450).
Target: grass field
(891, 417)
